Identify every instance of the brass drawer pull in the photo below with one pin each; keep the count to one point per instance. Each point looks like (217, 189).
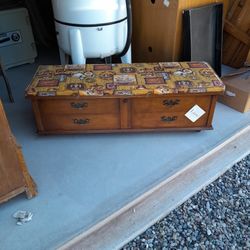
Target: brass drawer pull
(168, 118)
(170, 103)
(79, 105)
(81, 121)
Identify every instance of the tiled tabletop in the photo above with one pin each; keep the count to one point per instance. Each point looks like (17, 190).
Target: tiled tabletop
(124, 79)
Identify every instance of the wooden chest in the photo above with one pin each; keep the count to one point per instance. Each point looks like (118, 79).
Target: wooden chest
(121, 97)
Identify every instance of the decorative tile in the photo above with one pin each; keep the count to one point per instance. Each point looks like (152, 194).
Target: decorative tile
(124, 79)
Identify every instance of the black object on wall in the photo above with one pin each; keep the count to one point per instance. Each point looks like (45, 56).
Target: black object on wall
(10, 4)
(202, 35)
(41, 16)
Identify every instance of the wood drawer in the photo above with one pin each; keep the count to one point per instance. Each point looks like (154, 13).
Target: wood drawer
(80, 122)
(121, 114)
(79, 106)
(169, 104)
(166, 120)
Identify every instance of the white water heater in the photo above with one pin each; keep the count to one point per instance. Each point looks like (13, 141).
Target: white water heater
(93, 29)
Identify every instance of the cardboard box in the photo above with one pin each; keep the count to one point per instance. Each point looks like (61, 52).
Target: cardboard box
(237, 93)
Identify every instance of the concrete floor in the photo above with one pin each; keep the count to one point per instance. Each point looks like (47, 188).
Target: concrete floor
(82, 179)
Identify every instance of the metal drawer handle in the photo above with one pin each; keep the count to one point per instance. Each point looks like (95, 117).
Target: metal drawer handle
(79, 105)
(171, 103)
(81, 121)
(168, 118)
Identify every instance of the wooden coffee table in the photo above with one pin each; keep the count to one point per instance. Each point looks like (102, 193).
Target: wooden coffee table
(124, 97)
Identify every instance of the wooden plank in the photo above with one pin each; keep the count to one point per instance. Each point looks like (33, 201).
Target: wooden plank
(133, 219)
(10, 176)
(154, 26)
(14, 176)
(232, 9)
(237, 33)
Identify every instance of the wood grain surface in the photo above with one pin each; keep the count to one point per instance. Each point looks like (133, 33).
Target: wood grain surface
(124, 114)
(14, 176)
(157, 29)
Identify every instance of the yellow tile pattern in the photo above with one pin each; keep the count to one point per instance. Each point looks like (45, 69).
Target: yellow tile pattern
(124, 79)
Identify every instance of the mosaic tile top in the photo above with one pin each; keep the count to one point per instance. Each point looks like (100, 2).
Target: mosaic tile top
(124, 79)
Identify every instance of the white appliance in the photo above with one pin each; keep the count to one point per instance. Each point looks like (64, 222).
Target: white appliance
(17, 44)
(93, 29)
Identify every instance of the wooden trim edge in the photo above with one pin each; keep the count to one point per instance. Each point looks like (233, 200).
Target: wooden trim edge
(12, 194)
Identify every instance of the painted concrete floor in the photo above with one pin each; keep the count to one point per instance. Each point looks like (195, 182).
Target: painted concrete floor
(82, 179)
